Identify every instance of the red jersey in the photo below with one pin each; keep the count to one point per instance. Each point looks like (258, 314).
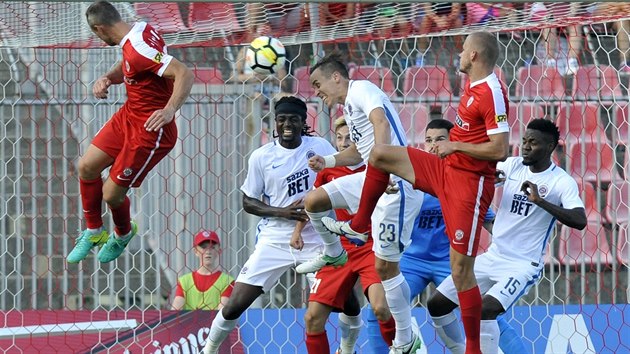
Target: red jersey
(144, 61)
(328, 174)
(203, 283)
(482, 111)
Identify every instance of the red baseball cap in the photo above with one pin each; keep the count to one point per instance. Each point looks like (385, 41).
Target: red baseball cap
(206, 235)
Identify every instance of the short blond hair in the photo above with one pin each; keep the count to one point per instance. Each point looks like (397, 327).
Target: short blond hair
(340, 122)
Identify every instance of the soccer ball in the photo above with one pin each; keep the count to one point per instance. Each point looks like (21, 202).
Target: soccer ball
(265, 55)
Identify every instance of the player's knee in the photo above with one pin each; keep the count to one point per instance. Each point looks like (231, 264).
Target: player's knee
(386, 270)
(113, 198)
(381, 311)
(87, 171)
(491, 308)
(377, 154)
(315, 202)
(439, 305)
(232, 310)
(314, 321)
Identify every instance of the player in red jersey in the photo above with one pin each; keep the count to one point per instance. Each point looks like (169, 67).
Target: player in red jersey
(332, 288)
(461, 174)
(137, 137)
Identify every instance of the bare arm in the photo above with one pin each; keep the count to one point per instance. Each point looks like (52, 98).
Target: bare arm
(113, 77)
(294, 211)
(178, 303)
(183, 81)
(296, 238)
(575, 218)
(496, 149)
(348, 157)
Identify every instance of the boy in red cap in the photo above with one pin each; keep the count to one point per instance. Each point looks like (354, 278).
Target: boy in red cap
(207, 288)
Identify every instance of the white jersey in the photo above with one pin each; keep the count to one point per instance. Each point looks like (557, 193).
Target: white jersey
(521, 229)
(362, 98)
(280, 177)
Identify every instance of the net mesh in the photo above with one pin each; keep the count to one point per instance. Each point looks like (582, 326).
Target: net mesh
(49, 60)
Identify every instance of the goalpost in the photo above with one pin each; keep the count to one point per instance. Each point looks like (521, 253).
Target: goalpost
(49, 60)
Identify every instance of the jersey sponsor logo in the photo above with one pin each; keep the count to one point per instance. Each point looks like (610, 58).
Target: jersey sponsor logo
(355, 135)
(470, 101)
(274, 166)
(158, 57)
(520, 205)
(460, 123)
(500, 118)
(298, 182)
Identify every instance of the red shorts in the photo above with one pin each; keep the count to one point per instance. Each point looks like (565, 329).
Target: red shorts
(333, 285)
(464, 197)
(135, 151)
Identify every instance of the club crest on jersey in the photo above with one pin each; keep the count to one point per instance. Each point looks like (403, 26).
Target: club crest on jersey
(460, 123)
(127, 66)
(459, 234)
(470, 101)
(158, 57)
(310, 154)
(543, 190)
(348, 109)
(127, 172)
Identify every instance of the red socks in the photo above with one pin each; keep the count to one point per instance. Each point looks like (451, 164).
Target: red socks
(317, 343)
(91, 198)
(376, 182)
(470, 306)
(122, 218)
(388, 330)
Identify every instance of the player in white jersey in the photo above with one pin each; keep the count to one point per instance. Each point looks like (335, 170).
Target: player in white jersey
(277, 181)
(372, 120)
(536, 193)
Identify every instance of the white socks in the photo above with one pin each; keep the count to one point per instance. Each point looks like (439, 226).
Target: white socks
(332, 244)
(489, 336)
(350, 328)
(397, 294)
(447, 327)
(218, 332)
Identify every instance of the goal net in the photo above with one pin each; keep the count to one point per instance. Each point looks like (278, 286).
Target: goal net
(567, 62)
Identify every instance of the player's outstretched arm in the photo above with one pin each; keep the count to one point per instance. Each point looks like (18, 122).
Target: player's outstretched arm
(348, 157)
(497, 149)
(295, 211)
(575, 218)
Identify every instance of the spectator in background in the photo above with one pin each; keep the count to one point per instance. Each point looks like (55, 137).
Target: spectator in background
(207, 288)
(331, 13)
(621, 27)
(542, 13)
(438, 16)
(394, 17)
(277, 18)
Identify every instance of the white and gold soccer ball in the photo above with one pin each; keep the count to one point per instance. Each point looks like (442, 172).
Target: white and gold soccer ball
(265, 55)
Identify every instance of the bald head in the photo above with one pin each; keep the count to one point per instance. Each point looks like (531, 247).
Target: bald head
(487, 47)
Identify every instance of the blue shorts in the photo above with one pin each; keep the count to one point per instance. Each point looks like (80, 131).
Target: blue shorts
(420, 273)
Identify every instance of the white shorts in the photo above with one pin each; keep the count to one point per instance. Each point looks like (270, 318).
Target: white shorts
(393, 217)
(270, 260)
(504, 280)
